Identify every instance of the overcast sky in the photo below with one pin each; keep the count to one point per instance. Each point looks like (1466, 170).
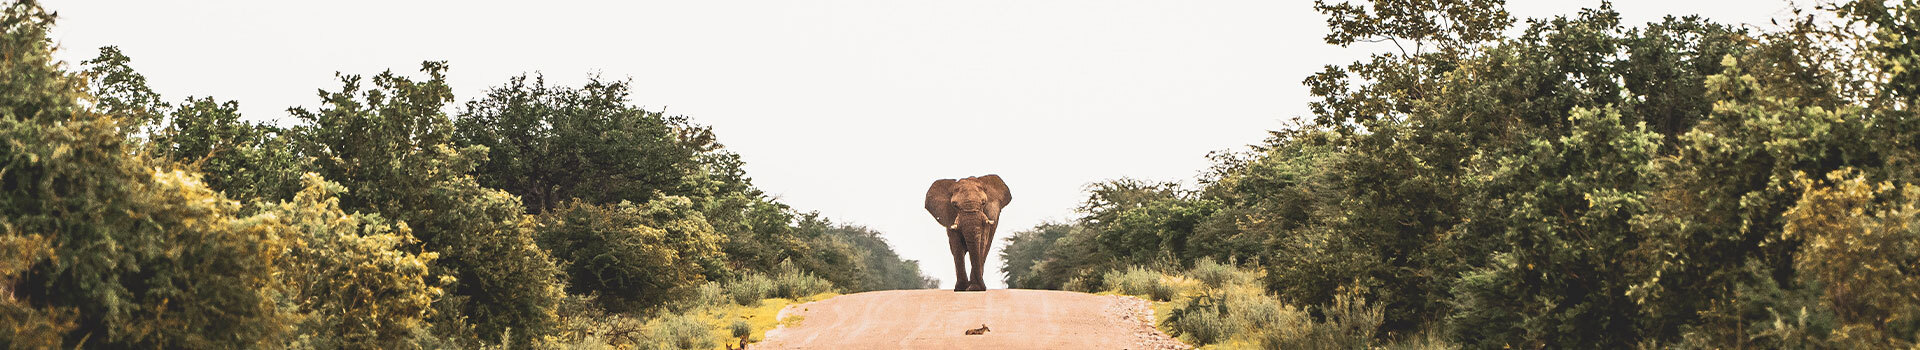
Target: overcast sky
(849, 108)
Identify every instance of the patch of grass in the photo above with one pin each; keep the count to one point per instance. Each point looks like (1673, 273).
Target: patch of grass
(758, 319)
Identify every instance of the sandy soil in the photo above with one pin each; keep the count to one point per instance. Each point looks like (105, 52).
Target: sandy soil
(939, 319)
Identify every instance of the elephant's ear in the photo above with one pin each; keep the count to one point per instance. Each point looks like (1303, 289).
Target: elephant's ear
(997, 189)
(938, 204)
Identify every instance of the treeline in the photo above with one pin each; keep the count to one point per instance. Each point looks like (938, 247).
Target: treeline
(1570, 182)
(377, 220)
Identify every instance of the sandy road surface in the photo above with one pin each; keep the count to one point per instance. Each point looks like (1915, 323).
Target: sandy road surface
(938, 319)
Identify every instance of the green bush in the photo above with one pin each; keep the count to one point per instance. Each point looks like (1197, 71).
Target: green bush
(1350, 323)
(1079, 284)
(749, 289)
(1230, 305)
(1162, 291)
(1216, 275)
(633, 255)
(681, 332)
(1201, 323)
(792, 283)
(1216, 315)
(740, 329)
(1138, 281)
(583, 324)
(706, 295)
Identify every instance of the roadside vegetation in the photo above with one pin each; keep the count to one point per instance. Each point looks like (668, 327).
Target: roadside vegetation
(386, 216)
(1219, 306)
(713, 318)
(1564, 182)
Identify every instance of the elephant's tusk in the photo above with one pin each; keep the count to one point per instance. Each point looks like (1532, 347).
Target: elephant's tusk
(989, 222)
(955, 226)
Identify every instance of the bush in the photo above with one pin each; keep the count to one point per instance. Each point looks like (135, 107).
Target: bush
(1079, 284)
(1229, 305)
(1139, 281)
(355, 284)
(749, 289)
(792, 283)
(1162, 291)
(1201, 323)
(1861, 248)
(1217, 315)
(681, 332)
(583, 324)
(632, 255)
(706, 295)
(1216, 275)
(740, 329)
(1350, 323)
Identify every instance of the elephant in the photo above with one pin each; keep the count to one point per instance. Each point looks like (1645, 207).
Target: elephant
(969, 209)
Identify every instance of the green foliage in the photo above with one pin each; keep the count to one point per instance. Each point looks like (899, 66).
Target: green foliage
(1053, 256)
(792, 283)
(246, 161)
(704, 295)
(390, 146)
(1138, 281)
(551, 144)
(1024, 256)
(1444, 23)
(28, 326)
(1237, 310)
(1556, 276)
(120, 91)
(583, 324)
(853, 257)
(1349, 323)
(1567, 182)
(243, 160)
(1716, 216)
(1130, 214)
(1862, 244)
(740, 329)
(1216, 275)
(116, 251)
(678, 331)
(749, 289)
(633, 256)
(354, 283)
(129, 222)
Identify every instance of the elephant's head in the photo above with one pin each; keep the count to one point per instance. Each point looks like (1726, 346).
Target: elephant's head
(968, 204)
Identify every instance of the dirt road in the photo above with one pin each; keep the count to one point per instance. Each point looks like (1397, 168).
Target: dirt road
(939, 319)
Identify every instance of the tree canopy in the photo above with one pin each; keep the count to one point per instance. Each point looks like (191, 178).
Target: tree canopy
(377, 219)
(1564, 182)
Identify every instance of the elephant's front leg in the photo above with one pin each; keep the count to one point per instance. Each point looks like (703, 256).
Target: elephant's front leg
(959, 247)
(978, 246)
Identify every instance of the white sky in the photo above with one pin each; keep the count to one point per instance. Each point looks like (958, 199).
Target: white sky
(850, 108)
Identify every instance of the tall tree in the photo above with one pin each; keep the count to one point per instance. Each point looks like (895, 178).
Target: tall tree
(105, 247)
(550, 144)
(391, 147)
